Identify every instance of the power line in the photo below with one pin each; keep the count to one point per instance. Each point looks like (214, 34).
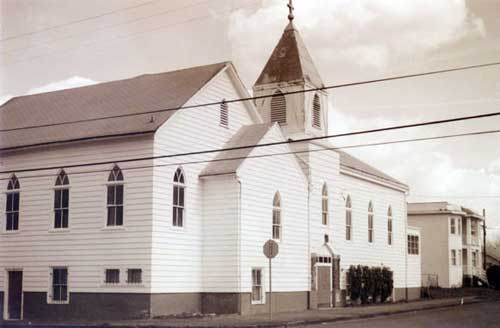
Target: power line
(106, 27)
(235, 158)
(124, 37)
(76, 21)
(257, 97)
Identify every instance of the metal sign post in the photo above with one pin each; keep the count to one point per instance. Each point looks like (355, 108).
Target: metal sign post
(271, 249)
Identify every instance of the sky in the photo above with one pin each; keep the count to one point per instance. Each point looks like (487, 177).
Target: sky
(53, 44)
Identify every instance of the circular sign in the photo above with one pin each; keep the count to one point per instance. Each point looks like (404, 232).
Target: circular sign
(271, 249)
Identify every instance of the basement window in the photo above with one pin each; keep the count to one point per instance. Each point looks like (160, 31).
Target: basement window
(112, 276)
(134, 276)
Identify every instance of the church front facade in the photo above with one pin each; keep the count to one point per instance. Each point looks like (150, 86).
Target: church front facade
(141, 233)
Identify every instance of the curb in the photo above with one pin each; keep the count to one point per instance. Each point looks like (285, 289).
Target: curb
(306, 322)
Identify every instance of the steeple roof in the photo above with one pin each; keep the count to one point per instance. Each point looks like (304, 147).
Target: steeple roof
(290, 61)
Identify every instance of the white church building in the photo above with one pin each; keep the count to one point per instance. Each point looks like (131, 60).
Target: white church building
(111, 208)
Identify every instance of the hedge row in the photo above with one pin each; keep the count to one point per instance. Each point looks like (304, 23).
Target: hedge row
(369, 284)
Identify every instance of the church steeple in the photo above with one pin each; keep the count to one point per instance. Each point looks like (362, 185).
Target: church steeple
(290, 69)
(290, 60)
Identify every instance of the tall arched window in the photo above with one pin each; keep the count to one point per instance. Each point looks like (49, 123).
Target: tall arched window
(178, 199)
(389, 225)
(277, 216)
(348, 218)
(278, 108)
(115, 197)
(224, 114)
(316, 112)
(370, 222)
(61, 201)
(324, 205)
(12, 204)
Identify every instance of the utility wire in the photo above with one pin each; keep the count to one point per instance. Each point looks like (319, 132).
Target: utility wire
(106, 27)
(255, 97)
(232, 158)
(76, 21)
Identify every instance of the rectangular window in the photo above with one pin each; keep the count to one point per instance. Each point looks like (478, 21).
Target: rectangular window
(59, 284)
(115, 205)
(473, 228)
(452, 226)
(276, 224)
(112, 276)
(61, 208)
(348, 224)
(453, 257)
(12, 211)
(413, 245)
(474, 259)
(134, 276)
(257, 295)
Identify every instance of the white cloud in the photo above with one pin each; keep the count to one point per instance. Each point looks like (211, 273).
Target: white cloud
(368, 33)
(72, 82)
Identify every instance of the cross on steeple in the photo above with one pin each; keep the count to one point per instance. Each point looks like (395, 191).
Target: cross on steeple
(290, 8)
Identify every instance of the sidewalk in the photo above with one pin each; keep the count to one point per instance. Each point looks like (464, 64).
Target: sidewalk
(255, 321)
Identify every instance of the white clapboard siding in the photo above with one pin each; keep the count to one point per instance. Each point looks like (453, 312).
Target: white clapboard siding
(177, 252)
(261, 178)
(87, 248)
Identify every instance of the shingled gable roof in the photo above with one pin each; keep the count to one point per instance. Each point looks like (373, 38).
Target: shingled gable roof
(350, 162)
(290, 62)
(140, 94)
(247, 135)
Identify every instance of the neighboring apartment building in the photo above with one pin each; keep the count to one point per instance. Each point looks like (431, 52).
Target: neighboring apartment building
(168, 235)
(452, 243)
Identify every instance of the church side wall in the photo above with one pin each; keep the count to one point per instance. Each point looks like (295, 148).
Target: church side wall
(261, 178)
(378, 253)
(88, 247)
(177, 263)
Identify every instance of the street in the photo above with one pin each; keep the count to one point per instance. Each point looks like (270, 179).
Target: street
(476, 315)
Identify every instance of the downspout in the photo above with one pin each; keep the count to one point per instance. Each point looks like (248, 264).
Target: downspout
(238, 246)
(405, 247)
(309, 261)
(484, 239)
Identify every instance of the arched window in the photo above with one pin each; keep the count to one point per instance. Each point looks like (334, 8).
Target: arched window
(115, 197)
(278, 108)
(348, 218)
(370, 222)
(277, 216)
(324, 205)
(12, 204)
(178, 199)
(61, 201)
(224, 114)
(389, 225)
(316, 112)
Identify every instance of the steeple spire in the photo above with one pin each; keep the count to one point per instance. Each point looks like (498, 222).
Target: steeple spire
(290, 9)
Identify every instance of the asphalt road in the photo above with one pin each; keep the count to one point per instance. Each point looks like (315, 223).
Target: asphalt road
(483, 315)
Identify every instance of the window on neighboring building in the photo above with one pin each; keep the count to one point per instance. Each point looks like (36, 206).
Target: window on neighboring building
(453, 257)
(473, 228)
(389, 225)
(178, 208)
(115, 197)
(12, 204)
(61, 201)
(474, 259)
(316, 117)
(324, 205)
(452, 226)
(459, 226)
(370, 222)
(348, 218)
(278, 108)
(112, 276)
(59, 285)
(224, 114)
(277, 216)
(413, 244)
(134, 276)
(257, 290)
